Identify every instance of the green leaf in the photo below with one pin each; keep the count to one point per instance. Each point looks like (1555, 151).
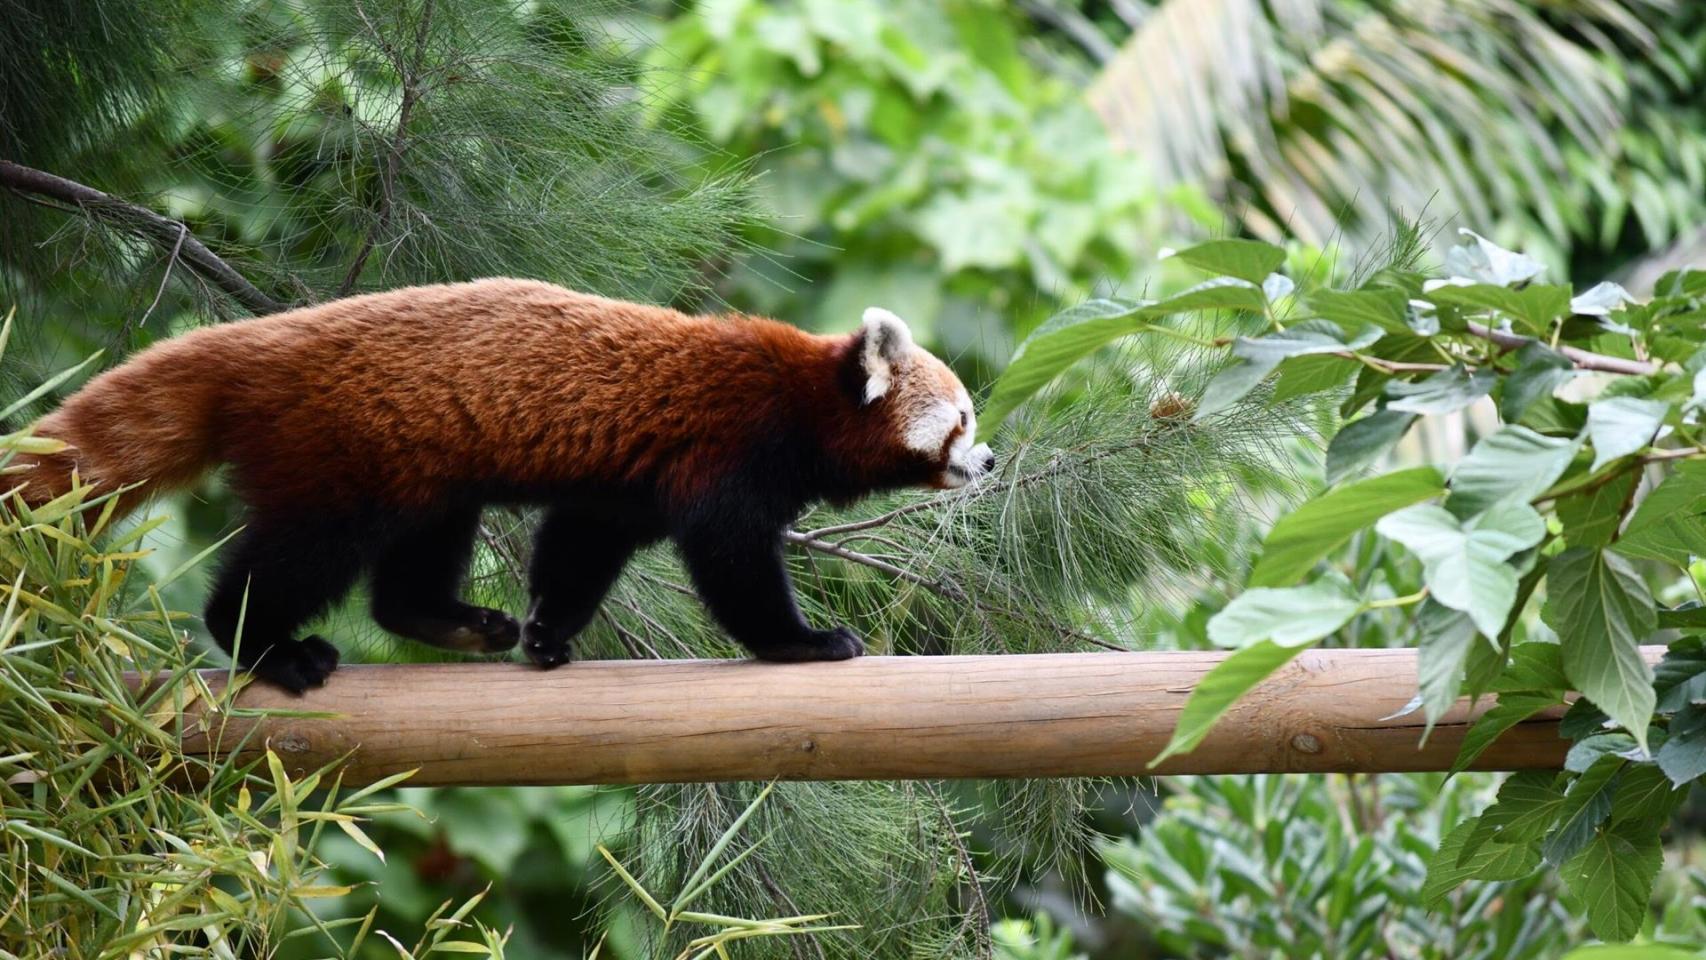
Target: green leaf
(1302, 376)
(1512, 709)
(1534, 667)
(1613, 878)
(1528, 805)
(1513, 464)
(1220, 688)
(1364, 441)
(1444, 392)
(1591, 519)
(1682, 757)
(1586, 805)
(1646, 795)
(1305, 535)
(1448, 868)
(1534, 308)
(1586, 752)
(1622, 425)
(1680, 678)
(1602, 610)
(1479, 260)
(1289, 617)
(1446, 636)
(1262, 354)
(1065, 338)
(1355, 309)
(1249, 260)
(1464, 561)
(1073, 334)
(1539, 372)
(1670, 524)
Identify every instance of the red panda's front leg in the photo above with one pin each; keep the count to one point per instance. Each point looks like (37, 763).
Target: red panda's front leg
(740, 576)
(577, 555)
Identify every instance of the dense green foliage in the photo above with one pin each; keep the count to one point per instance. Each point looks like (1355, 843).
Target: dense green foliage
(1583, 499)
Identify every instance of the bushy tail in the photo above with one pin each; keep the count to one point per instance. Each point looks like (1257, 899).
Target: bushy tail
(129, 427)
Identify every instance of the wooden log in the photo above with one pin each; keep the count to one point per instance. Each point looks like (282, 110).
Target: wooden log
(1048, 715)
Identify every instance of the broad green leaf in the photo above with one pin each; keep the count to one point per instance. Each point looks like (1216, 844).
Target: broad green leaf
(1355, 309)
(1680, 678)
(1512, 709)
(1479, 260)
(1364, 441)
(1220, 688)
(1260, 355)
(1645, 794)
(1682, 757)
(1289, 617)
(1065, 338)
(1533, 308)
(1587, 804)
(1444, 392)
(1513, 464)
(1448, 868)
(1622, 425)
(1301, 376)
(1588, 751)
(1464, 561)
(1534, 667)
(1228, 386)
(1249, 260)
(1446, 636)
(1602, 610)
(1305, 535)
(1670, 524)
(1073, 334)
(1308, 337)
(1528, 805)
(1600, 300)
(1591, 519)
(1613, 878)
(1539, 372)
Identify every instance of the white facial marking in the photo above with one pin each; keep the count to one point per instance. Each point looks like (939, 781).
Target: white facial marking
(926, 432)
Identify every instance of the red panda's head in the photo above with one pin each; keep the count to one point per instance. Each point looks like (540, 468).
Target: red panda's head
(925, 411)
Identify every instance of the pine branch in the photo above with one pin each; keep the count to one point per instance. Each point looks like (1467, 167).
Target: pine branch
(409, 74)
(142, 221)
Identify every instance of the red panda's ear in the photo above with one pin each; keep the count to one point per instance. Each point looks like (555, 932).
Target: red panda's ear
(884, 343)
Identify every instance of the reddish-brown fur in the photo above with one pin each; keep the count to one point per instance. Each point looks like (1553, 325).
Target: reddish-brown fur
(396, 399)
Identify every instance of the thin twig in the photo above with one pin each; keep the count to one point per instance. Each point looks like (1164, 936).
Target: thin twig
(409, 74)
(982, 917)
(141, 220)
(171, 260)
(1583, 359)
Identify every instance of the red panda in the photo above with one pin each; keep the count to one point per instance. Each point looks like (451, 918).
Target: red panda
(365, 435)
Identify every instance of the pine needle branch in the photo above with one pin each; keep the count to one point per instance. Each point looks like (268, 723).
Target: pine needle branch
(144, 222)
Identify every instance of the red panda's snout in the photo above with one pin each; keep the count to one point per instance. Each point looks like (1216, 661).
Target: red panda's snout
(932, 410)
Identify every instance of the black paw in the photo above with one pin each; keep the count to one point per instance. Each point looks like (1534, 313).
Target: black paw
(546, 645)
(486, 631)
(840, 643)
(297, 665)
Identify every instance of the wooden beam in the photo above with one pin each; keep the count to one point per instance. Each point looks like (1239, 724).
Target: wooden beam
(1048, 715)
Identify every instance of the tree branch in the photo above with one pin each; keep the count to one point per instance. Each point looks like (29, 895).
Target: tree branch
(1583, 359)
(140, 220)
(409, 74)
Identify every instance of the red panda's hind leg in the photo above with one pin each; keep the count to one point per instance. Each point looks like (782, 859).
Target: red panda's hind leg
(417, 579)
(276, 576)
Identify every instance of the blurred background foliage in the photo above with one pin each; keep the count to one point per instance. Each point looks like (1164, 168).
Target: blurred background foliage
(976, 166)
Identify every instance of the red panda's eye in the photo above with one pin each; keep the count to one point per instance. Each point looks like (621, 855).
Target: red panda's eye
(962, 419)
